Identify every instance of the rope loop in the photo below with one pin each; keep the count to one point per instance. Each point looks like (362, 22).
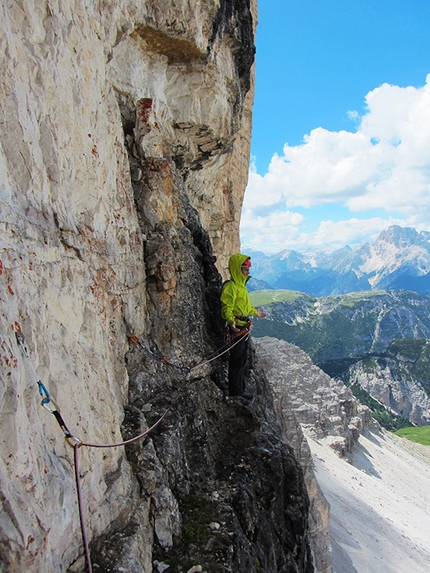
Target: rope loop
(73, 441)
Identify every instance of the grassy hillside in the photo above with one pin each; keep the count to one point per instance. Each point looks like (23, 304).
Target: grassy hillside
(420, 435)
(356, 334)
(262, 297)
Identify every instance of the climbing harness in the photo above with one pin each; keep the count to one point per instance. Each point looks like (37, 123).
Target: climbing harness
(76, 443)
(231, 335)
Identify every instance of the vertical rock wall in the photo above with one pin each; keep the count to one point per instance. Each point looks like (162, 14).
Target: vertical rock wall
(123, 161)
(71, 275)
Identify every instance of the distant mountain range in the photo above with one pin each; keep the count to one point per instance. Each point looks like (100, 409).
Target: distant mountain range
(398, 260)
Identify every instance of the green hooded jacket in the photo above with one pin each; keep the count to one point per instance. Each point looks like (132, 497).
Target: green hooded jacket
(234, 295)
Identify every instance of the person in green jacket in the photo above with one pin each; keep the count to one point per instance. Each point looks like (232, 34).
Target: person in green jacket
(236, 309)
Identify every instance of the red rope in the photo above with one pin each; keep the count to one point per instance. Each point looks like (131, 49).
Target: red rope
(81, 511)
(76, 447)
(142, 435)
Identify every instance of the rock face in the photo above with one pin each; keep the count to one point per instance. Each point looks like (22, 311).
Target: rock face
(124, 157)
(323, 406)
(399, 379)
(305, 397)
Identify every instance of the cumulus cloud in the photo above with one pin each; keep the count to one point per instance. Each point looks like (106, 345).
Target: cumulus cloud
(384, 164)
(273, 230)
(334, 235)
(261, 234)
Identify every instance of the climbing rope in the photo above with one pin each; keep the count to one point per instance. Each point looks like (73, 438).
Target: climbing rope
(225, 348)
(76, 443)
(81, 509)
(157, 357)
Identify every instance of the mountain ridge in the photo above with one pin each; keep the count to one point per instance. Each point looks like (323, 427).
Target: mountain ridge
(398, 259)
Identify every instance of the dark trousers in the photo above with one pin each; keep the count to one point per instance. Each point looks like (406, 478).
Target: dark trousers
(236, 378)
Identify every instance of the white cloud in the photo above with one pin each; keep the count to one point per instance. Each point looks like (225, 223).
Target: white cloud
(273, 230)
(259, 193)
(261, 234)
(384, 165)
(348, 232)
(353, 115)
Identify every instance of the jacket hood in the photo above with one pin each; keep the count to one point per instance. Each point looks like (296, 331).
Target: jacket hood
(235, 263)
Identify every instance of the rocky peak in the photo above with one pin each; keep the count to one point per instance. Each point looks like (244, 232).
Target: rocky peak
(312, 405)
(401, 237)
(398, 260)
(324, 407)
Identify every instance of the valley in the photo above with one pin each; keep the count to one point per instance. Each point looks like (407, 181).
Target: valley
(376, 342)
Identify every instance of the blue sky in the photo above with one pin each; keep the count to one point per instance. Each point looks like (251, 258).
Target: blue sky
(341, 123)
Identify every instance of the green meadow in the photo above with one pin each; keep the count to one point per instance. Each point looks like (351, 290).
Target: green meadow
(418, 434)
(260, 297)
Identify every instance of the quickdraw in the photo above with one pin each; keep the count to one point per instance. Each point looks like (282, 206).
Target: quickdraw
(46, 398)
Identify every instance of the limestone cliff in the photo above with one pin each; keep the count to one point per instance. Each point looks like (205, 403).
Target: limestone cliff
(123, 161)
(312, 405)
(324, 407)
(398, 379)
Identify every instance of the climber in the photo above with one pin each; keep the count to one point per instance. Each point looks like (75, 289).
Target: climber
(235, 309)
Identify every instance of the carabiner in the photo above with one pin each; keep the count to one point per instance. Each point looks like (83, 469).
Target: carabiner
(73, 441)
(50, 410)
(42, 391)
